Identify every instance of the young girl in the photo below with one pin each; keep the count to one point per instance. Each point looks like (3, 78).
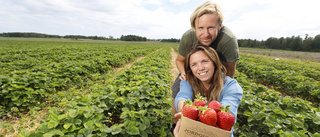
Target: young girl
(206, 75)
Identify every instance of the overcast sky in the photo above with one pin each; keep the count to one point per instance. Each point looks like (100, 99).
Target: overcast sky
(157, 19)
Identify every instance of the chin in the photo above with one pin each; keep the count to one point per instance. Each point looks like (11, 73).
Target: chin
(206, 43)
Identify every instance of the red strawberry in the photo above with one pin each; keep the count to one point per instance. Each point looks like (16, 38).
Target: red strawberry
(208, 116)
(225, 118)
(200, 100)
(190, 111)
(217, 126)
(215, 105)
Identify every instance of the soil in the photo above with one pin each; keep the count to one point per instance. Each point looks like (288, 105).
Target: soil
(173, 68)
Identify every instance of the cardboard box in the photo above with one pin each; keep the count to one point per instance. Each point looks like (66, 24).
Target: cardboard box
(192, 128)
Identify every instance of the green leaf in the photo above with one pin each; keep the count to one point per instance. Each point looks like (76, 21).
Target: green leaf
(107, 130)
(52, 124)
(67, 125)
(87, 132)
(48, 135)
(298, 124)
(132, 130)
(63, 116)
(316, 135)
(73, 113)
(146, 121)
(116, 129)
(89, 124)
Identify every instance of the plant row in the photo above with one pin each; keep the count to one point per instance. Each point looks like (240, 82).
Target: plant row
(308, 69)
(135, 103)
(292, 82)
(30, 73)
(265, 112)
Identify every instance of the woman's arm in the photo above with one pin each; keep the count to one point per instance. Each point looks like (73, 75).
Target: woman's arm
(184, 94)
(231, 95)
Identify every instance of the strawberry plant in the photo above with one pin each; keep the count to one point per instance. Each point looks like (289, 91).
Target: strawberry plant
(264, 112)
(32, 70)
(134, 104)
(289, 81)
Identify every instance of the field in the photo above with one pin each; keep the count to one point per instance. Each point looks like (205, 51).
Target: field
(65, 87)
(304, 56)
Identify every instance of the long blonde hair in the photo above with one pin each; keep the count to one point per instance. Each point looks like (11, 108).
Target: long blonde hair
(206, 8)
(214, 91)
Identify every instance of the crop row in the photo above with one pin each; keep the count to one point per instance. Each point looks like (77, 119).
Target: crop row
(265, 112)
(29, 74)
(292, 82)
(304, 68)
(135, 103)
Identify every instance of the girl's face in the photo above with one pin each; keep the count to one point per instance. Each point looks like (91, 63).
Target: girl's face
(202, 67)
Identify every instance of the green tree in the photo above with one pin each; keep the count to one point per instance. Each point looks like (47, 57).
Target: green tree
(296, 44)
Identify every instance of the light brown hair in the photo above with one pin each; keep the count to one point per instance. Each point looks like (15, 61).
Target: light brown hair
(214, 91)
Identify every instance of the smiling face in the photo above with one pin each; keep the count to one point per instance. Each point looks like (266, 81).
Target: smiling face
(202, 67)
(207, 27)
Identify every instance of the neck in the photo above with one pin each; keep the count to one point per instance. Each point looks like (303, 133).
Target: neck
(206, 85)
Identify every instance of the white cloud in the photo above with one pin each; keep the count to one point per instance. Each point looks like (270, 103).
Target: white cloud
(156, 18)
(178, 2)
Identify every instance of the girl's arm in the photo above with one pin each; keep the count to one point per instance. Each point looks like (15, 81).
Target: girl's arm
(184, 94)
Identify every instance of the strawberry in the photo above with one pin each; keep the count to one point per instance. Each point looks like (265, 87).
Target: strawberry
(217, 126)
(208, 116)
(215, 105)
(200, 100)
(189, 110)
(225, 118)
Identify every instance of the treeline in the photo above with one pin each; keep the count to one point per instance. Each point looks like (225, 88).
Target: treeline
(40, 35)
(295, 43)
(28, 35)
(132, 38)
(171, 40)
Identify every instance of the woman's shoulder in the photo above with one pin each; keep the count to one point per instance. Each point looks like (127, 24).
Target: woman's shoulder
(231, 83)
(229, 80)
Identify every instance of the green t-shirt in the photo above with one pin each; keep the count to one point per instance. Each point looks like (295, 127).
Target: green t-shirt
(227, 46)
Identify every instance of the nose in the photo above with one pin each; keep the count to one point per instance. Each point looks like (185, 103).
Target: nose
(205, 33)
(201, 67)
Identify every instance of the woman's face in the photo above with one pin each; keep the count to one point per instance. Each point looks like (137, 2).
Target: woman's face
(202, 67)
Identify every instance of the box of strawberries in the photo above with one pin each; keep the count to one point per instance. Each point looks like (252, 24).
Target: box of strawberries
(202, 119)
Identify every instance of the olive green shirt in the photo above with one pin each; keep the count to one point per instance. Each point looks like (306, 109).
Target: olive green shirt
(225, 44)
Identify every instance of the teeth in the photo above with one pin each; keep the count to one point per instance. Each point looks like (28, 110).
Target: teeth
(203, 73)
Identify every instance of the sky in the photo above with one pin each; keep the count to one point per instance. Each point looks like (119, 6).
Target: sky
(158, 19)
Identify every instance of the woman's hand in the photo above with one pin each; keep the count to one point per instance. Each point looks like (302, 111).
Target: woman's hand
(176, 129)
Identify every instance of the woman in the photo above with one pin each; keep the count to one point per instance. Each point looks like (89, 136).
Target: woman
(206, 75)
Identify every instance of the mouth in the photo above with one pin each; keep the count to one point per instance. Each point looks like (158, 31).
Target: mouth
(203, 73)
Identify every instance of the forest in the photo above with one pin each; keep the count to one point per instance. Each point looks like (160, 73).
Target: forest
(295, 43)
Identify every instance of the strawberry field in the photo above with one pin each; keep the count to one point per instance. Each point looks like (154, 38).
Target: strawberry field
(76, 82)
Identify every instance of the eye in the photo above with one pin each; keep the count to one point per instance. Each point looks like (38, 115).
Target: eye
(205, 61)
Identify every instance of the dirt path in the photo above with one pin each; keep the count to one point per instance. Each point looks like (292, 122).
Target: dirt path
(173, 68)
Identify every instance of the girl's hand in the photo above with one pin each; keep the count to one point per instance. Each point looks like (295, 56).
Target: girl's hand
(176, 129)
